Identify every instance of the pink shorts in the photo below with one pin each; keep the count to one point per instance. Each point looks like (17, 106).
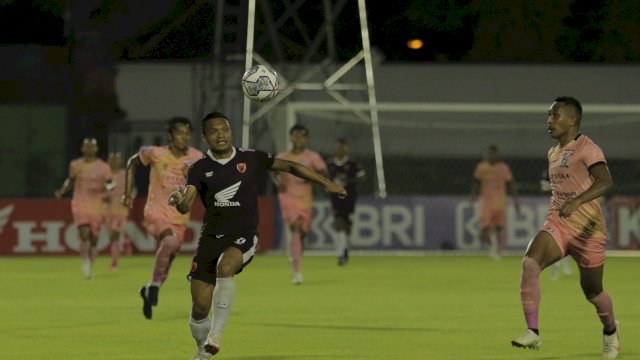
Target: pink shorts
(116, 222)
(156, 226)
(588, 252)
(291, 213)
(88, 219)
(492, 218)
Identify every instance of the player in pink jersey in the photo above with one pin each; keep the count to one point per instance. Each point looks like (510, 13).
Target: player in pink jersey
(116, 213)
(169, 165)
(296, 194)
(90, 178)
(579, 176)
(493, 179)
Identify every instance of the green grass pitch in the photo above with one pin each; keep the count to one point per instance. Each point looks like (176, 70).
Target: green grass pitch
(376, 307)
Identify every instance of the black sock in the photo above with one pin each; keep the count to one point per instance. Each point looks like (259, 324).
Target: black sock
(535, 331)
(610, 332)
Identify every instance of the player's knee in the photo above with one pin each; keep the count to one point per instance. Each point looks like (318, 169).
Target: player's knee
(530, 267)
(591, 291)
(200, 309)
(226, 269)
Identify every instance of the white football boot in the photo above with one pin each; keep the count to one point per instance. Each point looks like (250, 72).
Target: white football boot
(528, 340)
(611, 344)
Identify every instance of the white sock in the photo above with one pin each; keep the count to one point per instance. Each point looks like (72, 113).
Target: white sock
(341, 242)
(223, 295)
(200, 330)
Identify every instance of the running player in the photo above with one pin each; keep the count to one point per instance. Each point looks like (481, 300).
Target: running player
(348, 173)
(169, 166)
(116, 213)
(296, 194)
(493, 178)
(226, 180)
(90, 178)
(575, 225)
(563, 265)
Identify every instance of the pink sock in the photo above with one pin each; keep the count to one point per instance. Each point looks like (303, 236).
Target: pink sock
(115, 253)
(604, 307)
(93, 251)
(168, 246)
(296, 250)
(84, 250)
(530, 291)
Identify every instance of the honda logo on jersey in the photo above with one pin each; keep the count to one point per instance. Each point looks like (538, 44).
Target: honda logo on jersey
(224, 196)
(242, 167)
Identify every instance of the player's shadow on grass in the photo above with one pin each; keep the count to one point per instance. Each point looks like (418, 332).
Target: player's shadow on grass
(345, 327)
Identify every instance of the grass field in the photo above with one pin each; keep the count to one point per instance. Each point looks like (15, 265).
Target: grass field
(377, 307)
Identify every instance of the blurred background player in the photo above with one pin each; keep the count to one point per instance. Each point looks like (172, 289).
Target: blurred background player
(116, 213)
(562, 266)
(169, 165)
(575, 225)
(347, 173)
(493, 179)
(296, 194)
(226, 181)
(90, 178)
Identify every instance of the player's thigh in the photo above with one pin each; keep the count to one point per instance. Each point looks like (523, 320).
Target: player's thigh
(544, 249)
(229, 262)
(591, 280)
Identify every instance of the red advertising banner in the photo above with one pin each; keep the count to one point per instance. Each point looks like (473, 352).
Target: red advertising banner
(45, 226)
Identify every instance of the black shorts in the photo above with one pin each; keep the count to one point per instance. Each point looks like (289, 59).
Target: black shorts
(343, 208)
(203, 265)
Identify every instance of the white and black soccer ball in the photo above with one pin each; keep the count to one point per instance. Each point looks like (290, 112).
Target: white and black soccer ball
(260, 83)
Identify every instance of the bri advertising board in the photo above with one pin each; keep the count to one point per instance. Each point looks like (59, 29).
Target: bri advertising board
(447, 223)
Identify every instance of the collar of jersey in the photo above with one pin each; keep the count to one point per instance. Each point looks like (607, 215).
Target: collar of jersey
(222, 161)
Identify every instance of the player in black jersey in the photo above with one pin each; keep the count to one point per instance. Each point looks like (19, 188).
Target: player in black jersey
(348, 173)
(226, 180)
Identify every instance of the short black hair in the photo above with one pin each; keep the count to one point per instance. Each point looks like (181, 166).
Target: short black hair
(174, 121)
(298, 127)
(212, 115)
(342, 141)
(574, 103)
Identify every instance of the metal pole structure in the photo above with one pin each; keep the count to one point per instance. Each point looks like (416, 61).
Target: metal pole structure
(246, 109)
(375, 126)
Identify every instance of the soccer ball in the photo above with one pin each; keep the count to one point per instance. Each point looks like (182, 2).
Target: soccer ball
(260, 83)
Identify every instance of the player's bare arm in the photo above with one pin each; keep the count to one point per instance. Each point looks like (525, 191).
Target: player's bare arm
(66, 186)
(182, 199)
(304, 172)
(602, 182)
(132, 165)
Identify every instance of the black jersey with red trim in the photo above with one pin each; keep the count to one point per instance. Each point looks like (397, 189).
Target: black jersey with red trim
(229, 190)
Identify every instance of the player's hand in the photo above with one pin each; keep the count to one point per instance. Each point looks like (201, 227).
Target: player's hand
(568, 208)
(176, 197)
(127, 201)
(545, 185)
(336, 189)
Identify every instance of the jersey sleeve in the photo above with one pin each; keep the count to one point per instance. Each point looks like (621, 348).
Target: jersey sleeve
(72, 170)
(592, 155)
(477, 172)
(147, 154)
(317, 163)
(508, 175)
(265, 159)
(192, 176)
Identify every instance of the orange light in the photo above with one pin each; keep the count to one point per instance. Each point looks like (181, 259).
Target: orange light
(414, 44)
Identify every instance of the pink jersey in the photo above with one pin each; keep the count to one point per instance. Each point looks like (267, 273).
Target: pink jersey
(569, 177)
(167, 174)
(89, 185)
(493, 180)
(296, 189)
(115, 206)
